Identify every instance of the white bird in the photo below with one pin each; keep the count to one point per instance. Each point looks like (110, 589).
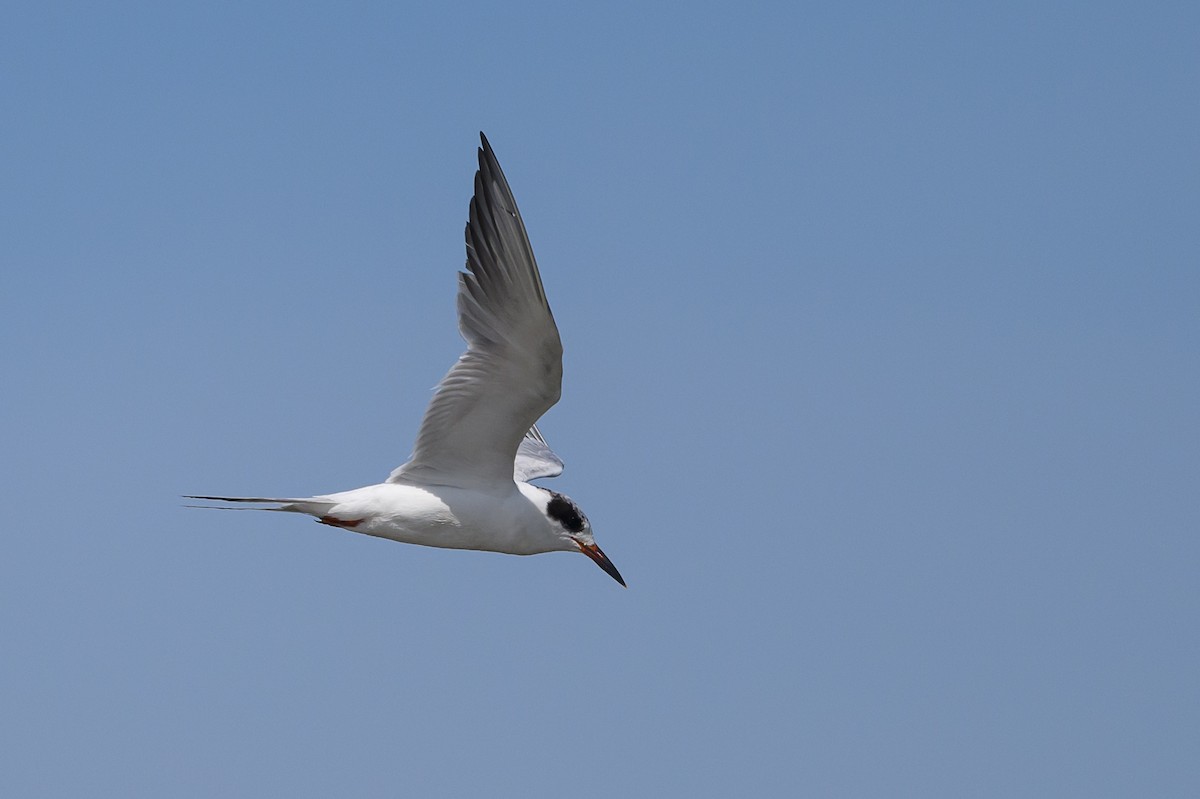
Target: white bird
(466, 485)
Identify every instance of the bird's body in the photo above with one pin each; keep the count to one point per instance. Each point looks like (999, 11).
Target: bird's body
(514, 522)
(466, 485)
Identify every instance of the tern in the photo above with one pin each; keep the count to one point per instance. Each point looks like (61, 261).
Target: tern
(467, 484)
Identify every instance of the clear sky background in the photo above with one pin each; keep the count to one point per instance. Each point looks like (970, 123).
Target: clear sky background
(882, 329)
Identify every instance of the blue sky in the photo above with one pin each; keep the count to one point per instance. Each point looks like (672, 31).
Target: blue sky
(880, 389)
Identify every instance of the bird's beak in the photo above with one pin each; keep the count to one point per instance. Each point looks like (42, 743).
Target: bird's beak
(594, 552)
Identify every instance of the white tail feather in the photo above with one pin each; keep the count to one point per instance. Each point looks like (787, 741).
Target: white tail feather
(314, 506)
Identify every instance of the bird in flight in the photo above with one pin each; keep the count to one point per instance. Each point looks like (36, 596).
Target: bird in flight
(467, 484)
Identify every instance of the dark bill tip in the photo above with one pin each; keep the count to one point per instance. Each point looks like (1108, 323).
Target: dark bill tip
(595, 553)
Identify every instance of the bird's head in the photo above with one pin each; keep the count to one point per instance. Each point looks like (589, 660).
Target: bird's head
(576, 532)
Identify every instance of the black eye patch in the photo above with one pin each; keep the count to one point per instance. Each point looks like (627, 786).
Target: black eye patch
(563, 511)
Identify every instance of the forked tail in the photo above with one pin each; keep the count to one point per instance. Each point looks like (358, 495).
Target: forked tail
(314, 506)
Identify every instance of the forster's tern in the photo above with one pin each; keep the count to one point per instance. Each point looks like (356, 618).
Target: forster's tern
(467, 483)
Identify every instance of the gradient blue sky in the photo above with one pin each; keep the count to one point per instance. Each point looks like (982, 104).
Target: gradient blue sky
(882, 376)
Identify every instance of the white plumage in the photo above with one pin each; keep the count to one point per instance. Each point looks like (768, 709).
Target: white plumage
(466, 484)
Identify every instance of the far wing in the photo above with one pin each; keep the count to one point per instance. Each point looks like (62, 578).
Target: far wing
(511, 372)
(535, 458)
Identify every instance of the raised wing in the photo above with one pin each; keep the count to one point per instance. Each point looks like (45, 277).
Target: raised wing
(535, 458)
(511, 372)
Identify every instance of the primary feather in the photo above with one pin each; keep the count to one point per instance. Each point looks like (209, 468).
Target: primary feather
(511, 372)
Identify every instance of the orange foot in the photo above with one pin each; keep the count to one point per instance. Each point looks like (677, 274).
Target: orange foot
(349, 524)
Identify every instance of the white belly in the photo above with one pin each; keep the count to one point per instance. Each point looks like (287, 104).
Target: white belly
(439, 516)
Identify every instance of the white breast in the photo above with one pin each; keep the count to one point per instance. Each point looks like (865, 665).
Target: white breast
(455, 518)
